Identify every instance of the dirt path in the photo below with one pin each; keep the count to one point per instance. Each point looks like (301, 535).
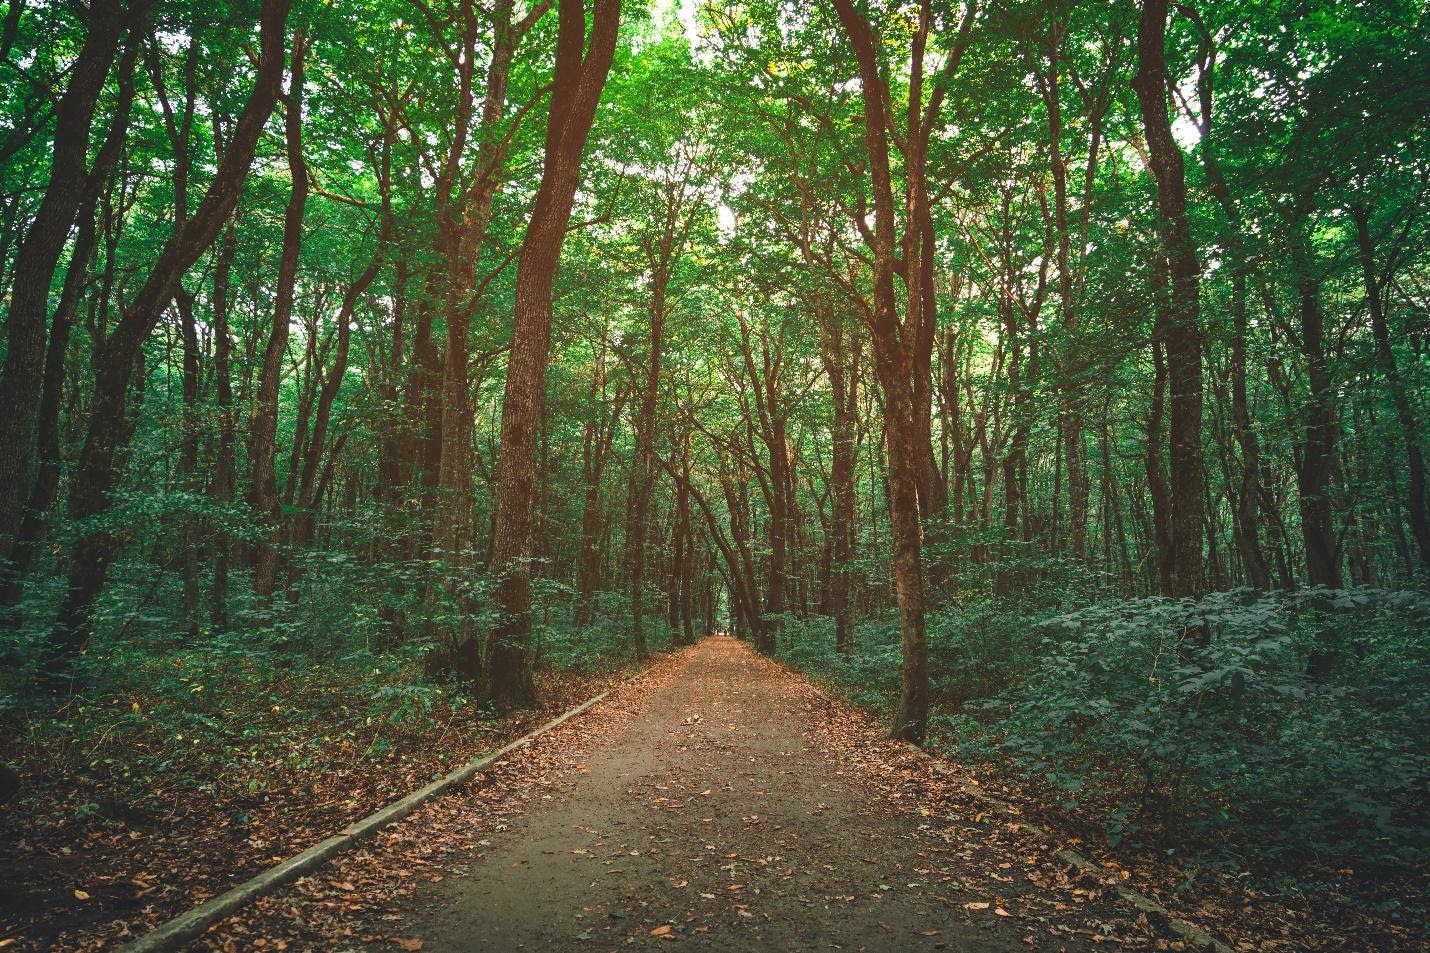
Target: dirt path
(718, 817)
(718, 802)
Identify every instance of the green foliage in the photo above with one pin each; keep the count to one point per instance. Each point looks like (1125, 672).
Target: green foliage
(1189, 723)
(1199, 713)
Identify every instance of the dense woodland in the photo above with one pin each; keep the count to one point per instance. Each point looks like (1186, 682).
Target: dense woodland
(1049, 375)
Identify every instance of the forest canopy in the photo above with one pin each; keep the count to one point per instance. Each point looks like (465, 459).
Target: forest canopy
(1050, 376)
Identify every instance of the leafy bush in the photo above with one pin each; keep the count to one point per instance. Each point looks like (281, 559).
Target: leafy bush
(1189, 722)
(1198, 714)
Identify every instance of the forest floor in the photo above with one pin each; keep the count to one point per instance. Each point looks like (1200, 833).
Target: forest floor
(718, 801)
(91, 854)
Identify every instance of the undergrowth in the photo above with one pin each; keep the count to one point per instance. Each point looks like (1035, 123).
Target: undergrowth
(1189, 726)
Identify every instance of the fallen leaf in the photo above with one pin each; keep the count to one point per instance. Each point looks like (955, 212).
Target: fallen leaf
(665, 929)
(81, 895)
(977, 906)
(408, 943)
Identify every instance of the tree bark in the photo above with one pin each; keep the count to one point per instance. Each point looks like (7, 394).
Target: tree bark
(1180, 330)
(263, 425)
(576, 89)
(895, 365)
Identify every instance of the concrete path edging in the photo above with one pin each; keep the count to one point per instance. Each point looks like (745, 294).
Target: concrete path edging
(187, 927)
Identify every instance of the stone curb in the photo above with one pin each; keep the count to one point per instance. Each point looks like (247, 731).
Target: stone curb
(187, 927)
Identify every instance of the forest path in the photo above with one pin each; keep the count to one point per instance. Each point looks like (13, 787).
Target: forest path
(718, 802)
(720, 815)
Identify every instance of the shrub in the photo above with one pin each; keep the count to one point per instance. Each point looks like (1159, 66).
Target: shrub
(1198, 714)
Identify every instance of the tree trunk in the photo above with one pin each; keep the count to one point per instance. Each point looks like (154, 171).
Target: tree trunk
(895, 365)
(1318, 446)
(225, 476)
(263, 426)
(841, 365)
(1180, 330)
(98, 467)
(643, 464)
(576, 89)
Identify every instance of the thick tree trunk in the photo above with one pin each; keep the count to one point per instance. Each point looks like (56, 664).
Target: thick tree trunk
(576, 89)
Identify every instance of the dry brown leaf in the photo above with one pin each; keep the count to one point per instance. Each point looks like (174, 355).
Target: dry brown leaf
(411, 944)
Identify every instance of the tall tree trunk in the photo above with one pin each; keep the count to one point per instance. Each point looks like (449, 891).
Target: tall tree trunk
(38, 256)
(895, 365)
(841, 365)
(98, 467)
(1157, 473)
(596, 443)
(1181, 331)
(1070, 417)
(180, 133)
(576, 89)
(643, 465)
(225, 465)
(263, 426)
(1318, 445)
(465, 227)
(44, 486)
(1248, 499)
